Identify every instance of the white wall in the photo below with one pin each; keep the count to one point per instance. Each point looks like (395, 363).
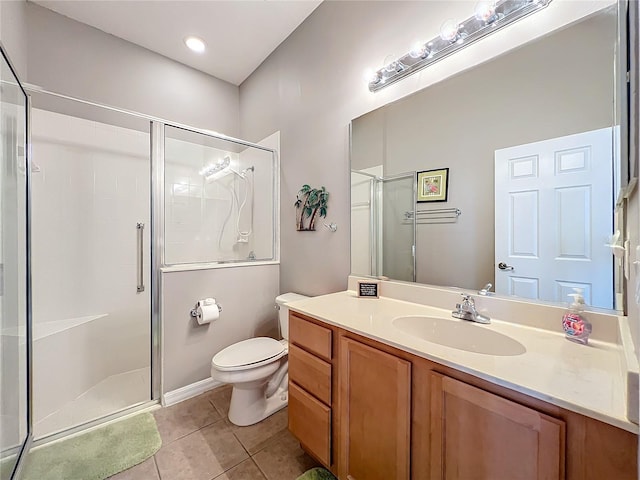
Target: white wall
(195, 210)
(312, 86)
(202, 221)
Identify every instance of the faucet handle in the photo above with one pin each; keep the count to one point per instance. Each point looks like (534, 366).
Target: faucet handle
(466, 299)
(486, 290)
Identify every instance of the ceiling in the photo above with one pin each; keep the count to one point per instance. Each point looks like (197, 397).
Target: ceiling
(239, 34)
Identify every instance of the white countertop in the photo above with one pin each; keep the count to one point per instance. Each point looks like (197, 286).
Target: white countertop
(590, 380)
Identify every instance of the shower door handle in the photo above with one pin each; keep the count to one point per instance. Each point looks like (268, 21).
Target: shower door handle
(140, 260)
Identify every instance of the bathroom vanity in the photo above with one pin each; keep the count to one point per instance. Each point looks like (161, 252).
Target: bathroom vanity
(371, 398)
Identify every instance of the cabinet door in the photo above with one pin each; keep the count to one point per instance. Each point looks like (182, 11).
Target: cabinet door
(478, 435)
(375, 413)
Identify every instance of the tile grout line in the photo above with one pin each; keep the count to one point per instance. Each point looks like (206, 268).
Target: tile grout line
(157, 468)
(231, 467)
(220, 412)
(189, 433)
(264, 474)
(269, 441)
(241, 444)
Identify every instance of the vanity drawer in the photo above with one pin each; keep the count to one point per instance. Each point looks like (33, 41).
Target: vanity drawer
(311, 373)
(310, 422)
(311, 337)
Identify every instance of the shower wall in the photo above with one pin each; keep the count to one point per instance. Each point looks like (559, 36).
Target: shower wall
(90, 187)
(203, 220)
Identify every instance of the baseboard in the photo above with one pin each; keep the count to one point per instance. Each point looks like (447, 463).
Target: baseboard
(189, 391)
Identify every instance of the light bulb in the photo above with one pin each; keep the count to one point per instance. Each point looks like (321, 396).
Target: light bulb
(390, 64)
(485, 11)
(196, 44)
(391, 67)
(375, 78)
(372, 77)
(419, 50)
(449, 31)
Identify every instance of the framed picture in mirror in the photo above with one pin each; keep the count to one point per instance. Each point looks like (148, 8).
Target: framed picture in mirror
(433, 185)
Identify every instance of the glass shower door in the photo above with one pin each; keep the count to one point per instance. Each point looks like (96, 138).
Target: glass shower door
(397, 202)
(91, 263)
(14, 324)
(220, 199)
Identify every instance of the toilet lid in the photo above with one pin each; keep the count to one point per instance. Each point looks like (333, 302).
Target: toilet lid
(248, 352)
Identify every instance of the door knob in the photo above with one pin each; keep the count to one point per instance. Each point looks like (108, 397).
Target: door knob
(504, 266)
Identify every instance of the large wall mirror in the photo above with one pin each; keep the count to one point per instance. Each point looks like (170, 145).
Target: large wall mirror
(531, 141)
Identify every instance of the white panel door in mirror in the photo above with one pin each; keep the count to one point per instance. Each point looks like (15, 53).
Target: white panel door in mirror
(545, 257)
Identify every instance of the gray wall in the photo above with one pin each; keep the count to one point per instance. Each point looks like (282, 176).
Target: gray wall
(13, 34)
(313, 84)
(69, 57)
(557, 86)
(310, 88)
(247, 296)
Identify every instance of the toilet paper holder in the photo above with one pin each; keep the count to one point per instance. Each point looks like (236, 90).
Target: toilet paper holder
(194, 312)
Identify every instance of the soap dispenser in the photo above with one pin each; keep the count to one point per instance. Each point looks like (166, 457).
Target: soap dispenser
(576, 327)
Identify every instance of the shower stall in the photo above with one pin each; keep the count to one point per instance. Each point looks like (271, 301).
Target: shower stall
(383, 224)
(117, 198)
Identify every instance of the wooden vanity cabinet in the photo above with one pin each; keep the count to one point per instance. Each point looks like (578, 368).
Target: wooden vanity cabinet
(375, 413)
(395, 416)
(476, 434)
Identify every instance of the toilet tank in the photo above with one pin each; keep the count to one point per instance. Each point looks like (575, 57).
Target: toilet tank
(283, 310)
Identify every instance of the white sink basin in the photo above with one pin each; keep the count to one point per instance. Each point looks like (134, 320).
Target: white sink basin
(459, 334)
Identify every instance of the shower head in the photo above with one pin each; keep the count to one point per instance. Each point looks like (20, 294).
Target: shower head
(216, 170)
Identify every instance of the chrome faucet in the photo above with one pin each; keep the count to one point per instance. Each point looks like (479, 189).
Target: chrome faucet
(486, 290)
(467, 311)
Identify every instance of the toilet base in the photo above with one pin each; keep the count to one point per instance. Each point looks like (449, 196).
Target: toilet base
(249, 404)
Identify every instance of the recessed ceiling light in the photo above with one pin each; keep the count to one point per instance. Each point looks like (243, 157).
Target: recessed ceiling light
(196, 44)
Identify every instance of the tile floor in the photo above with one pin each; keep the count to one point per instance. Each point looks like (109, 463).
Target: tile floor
(199, 443)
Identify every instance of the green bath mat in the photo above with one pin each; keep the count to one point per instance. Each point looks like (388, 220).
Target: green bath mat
(98, 454)
(317, 474)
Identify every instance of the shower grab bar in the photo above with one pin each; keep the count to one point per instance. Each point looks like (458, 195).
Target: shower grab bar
(140, 230)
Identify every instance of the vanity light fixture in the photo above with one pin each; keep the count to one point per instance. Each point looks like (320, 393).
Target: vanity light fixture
(196, 44)
(488, 17)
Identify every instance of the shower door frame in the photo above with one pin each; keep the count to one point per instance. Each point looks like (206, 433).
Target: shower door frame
(375, 204)
(156, 151)
(377, 198)
(155, 329)
(28, 442)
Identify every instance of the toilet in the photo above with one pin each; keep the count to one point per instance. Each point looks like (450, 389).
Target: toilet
(257, 368)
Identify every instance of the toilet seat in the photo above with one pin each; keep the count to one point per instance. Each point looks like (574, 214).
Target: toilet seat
(247, 354)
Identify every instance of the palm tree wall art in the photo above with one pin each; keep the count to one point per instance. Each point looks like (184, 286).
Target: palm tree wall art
(310, 203)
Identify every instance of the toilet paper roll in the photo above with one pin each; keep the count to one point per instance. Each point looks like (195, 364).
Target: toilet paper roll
(207, 313)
